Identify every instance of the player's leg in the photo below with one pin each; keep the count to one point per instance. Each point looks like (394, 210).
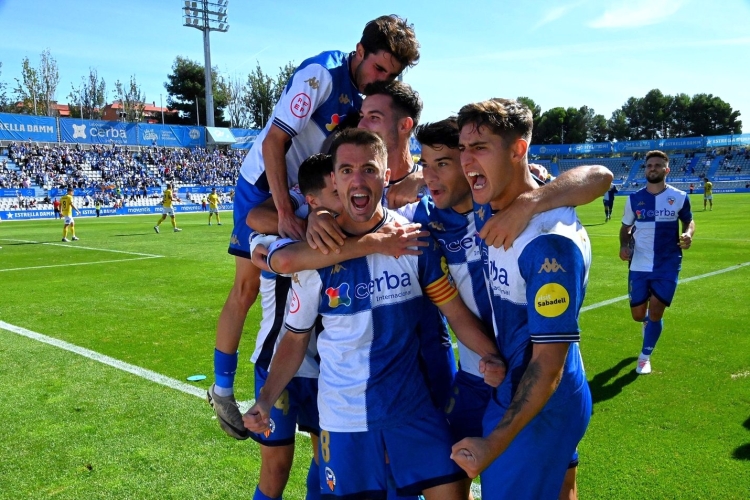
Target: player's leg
(73, 230)
(65, 232)
(218, 219)
(711, 203)
(569, 490)
(705, 202)
(173, 221)
(313, 473)
(275, 465)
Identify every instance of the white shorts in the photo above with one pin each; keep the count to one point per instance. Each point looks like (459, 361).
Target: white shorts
(168, 211)
(69, 220)
(708, 197)
(213, 211)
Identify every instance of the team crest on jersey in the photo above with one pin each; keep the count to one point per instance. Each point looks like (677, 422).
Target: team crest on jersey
(313, 83)
(271, 428)
(551, 300)
(480, 213)
(670, 200)
(338, 296)
(551, 267)
(335, 119)
(330, 478)
(344, 99)
(437, 226)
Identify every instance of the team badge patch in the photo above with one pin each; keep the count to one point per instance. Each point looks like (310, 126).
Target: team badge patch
(335, 119)
(338, 296)
(670, 200)
(330, 478)
(271, 428)
(551, 300)
(640, 214)
(301, 104)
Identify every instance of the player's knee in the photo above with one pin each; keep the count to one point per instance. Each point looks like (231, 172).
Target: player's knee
(244, 293)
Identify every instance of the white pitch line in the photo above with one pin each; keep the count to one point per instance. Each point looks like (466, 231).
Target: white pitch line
(64, 245)
(686, 280)
(79, 264)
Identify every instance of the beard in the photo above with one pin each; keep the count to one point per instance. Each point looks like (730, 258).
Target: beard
(656, 178)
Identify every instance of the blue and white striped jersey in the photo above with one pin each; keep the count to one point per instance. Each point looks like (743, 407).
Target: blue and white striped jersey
(369, 373)
(536, 290)
(657, 228)
(319, 94)
(458, 239)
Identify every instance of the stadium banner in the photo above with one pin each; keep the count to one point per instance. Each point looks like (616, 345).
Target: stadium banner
(630, 146)
(105, 211)
(550, 149)
(171, 136)
(12, 193)
(204, 189)
(97, 132)
(244, 138)
(24, 128)
(728, 140)
(415, 147)
(682, 143)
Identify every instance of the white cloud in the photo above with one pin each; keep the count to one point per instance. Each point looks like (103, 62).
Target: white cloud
(555, 14)
(636, 13)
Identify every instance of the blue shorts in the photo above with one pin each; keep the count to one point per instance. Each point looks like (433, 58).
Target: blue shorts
(246, 197)
(353, 464)
(468, 402)
(298, 405)
(536, 461)
(641, 285)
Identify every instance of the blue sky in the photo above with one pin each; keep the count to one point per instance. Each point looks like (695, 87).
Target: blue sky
(567, 53)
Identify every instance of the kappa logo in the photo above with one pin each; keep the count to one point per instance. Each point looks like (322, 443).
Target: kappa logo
(670, 200)
(338, 296)
(330, 478)
(271, 428)
(295, 279)
(437, 226)
(337, 268)
(641, 203)
(234, 240)
(481, 213)
(313, 83)
(344, 99)
(551, 267)
(79, 131)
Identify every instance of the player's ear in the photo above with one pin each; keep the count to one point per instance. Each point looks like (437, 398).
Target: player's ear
(518, 149)
(387, 177)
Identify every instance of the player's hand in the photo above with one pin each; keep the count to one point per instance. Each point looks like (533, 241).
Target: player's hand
(473, 455)
(502, 229)
(406, 190)
(539, 170)
(323, 232)
(259, 257)
(625, 253)
(493, 368)
(257, 419)
(685, 241)
(291, 227)
(396, 240)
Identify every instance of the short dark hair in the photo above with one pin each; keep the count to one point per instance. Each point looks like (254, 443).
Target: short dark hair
(312, 173)
(658, 154)
(360, 137)
(510, 119)
(391, 34)
(405, 100)
(444, 132)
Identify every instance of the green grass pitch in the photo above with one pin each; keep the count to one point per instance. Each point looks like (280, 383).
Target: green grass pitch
(74, 428)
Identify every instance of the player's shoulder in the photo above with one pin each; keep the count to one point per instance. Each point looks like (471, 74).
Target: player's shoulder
(673, 190)
(562, 221)
(328, 59)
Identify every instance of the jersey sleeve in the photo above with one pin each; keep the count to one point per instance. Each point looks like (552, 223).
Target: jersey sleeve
(278, 245)
(408, 211)
(685, 214)
(628, 217)
(554, 270)
(304, 301)
(434, 275)
(307, 91)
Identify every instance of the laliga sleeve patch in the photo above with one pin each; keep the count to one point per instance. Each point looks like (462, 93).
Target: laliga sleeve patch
(551, 300)
(301, 104)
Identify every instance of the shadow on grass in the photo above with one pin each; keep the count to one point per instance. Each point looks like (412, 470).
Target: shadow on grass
(134, 234)
(743, 452)
(594, 225)
(605, 386)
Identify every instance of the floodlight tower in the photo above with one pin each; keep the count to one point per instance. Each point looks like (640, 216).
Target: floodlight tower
(207, 16)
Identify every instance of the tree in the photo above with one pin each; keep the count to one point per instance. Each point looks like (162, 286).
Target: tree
(679, 116)
(655, 108)
(37, 87)
(28, 88)
(536, 115)
(49, 77)
(263, 92)
(598, 129)
(709, 115)
(236, 109)
(186, 86)
(5, 105)
(619, 128)
(88, 99)
(132, 100)
(552, 126)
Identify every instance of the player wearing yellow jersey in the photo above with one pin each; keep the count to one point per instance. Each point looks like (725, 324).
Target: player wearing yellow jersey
(168, 209)
(708, 194)
(213, 206)
(66, 210)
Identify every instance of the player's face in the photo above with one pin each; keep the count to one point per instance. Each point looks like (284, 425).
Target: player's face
(441, 167)
(656, 170)
(328, 197)
(377, 116)
(375, 67)
(486, 162)
(359, 177)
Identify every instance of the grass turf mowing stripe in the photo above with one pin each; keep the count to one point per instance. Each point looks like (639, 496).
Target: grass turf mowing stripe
(83, 248)
(79, 264)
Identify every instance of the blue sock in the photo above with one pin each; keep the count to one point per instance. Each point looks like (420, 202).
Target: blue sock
(651, 336)
(313, 481)
(225, 366)
(260, 496)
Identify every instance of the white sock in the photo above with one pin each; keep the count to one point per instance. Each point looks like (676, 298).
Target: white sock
(223, 391)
